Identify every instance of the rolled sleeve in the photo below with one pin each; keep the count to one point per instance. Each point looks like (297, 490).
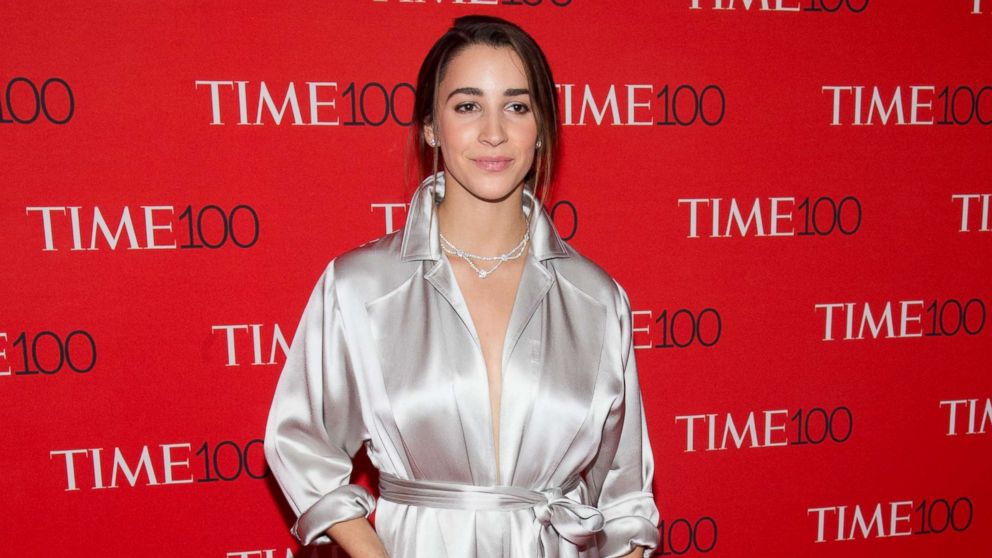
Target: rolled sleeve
(315, 424)
(348, 501)
(624, 469)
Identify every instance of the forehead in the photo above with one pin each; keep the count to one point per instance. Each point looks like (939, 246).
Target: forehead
(485, 67)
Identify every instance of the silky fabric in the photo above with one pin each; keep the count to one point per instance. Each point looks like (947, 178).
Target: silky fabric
(559, 516)
(386, 356)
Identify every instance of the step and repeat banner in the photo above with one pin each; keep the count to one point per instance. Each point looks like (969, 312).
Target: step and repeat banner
(794, 193)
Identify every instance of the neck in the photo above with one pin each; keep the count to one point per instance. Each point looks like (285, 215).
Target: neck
(482, 226)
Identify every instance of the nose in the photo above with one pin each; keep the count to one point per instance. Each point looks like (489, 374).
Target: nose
(492, 132)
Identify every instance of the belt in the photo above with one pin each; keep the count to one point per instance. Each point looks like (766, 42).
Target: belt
(558, 515)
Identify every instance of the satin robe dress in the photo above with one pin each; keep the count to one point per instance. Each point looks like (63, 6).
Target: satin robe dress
(386, 355)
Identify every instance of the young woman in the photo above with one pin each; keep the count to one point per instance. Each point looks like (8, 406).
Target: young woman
(486, 365)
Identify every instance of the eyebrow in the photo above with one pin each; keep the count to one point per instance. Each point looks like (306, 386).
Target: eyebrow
(474, 91)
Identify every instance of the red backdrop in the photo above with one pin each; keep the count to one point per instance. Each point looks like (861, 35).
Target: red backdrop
(814, 346)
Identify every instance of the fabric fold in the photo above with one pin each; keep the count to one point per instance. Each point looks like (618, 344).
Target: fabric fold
(629, 524)
(348, 501)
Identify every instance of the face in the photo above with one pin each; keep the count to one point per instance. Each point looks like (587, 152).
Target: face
(484, 122)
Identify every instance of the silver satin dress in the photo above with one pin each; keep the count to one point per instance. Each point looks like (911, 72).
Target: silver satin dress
(386, 355)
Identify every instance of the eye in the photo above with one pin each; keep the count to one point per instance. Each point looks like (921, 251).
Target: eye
(520, 108)
(465, 107)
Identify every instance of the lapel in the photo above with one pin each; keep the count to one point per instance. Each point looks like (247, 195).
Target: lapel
(462, 368)
(421, 241)
(420, 233)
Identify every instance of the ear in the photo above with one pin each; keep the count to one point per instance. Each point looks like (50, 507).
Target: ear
(429, 134)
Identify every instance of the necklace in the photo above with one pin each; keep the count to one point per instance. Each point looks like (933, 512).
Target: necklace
(512, 254)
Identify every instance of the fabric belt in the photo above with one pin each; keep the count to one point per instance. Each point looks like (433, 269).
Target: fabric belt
(558, 515)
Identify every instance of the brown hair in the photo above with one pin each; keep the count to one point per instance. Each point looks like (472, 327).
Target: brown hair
(495, 32)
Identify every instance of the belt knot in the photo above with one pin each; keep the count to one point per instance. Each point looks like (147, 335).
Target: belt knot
(573, 521)
(543, 510)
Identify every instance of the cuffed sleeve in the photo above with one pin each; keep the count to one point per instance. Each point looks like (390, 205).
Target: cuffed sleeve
(624, 468)
(315, 424)
(344, 502)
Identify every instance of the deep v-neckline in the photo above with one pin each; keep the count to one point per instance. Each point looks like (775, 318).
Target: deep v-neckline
(494, 422)
(521, 373)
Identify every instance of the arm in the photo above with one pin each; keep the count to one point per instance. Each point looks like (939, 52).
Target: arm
(314, 427)
(623, 471)
(358, 538)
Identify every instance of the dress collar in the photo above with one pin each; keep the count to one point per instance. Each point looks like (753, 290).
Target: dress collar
(421, 239)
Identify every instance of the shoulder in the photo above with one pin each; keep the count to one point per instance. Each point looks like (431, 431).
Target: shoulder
(370, 269)
(589, 277)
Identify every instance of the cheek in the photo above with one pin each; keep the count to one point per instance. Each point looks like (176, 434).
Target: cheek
(455, 133)
(525, 133)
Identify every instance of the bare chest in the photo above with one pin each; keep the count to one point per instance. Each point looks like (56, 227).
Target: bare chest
(490, 303)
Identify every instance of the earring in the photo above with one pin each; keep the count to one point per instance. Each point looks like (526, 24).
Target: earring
(433, 142)
(538, 144)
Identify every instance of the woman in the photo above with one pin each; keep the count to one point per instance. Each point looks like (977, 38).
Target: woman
(486, 366)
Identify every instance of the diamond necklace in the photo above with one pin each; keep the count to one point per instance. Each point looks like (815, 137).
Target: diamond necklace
(512, 254)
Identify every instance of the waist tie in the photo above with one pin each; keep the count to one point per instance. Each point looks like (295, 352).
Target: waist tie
(572, 521)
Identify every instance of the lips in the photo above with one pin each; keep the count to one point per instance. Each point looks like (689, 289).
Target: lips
(494, 164)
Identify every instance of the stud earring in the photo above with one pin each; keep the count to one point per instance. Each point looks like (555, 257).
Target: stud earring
(538, 144)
